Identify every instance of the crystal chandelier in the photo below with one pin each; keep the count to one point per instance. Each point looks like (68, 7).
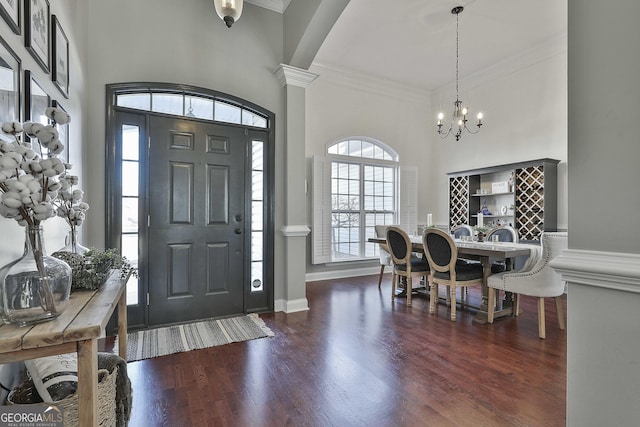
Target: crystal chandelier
(228, 10)
(459, 119)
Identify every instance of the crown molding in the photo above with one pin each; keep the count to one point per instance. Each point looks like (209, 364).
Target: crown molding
(361, 81)
(275, 5)
(293, 76)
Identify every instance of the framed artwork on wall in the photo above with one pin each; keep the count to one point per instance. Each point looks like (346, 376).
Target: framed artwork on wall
(10, 82)
(37, 34)
(36, 102)
(10, 11)
(60, 55)
(63, 132)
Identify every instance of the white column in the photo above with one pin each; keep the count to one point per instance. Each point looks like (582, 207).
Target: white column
(295, 229)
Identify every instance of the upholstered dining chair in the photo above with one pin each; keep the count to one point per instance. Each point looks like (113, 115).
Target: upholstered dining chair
(404, 265)
(505, 233)
(462, 230)
(442, 254)
(459, 231)
(383, 249)
(539, 281)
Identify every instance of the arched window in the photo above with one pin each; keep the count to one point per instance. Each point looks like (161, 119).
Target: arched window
(193, 106)
(363, 177)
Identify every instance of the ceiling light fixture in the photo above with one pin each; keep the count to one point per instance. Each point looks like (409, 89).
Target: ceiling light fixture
(459, 119)
(228, 10)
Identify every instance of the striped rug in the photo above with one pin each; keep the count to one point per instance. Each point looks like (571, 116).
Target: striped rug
(192, 336)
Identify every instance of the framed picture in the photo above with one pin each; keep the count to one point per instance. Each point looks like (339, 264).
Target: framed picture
(10, 11)
(36, 102)
(36, 34)
(60, 57)
(10, 84)
(63, 131)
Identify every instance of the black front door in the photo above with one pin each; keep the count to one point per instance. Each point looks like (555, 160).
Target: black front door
(196, 242)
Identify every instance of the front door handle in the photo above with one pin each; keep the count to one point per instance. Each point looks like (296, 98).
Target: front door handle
(238, 231)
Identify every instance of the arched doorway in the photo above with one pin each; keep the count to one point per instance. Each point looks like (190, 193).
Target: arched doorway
(189, 200)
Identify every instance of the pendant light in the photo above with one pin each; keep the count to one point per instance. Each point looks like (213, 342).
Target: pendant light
(228, 10)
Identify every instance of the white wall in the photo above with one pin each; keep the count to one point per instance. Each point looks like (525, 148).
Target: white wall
(341, 105)
(524, 101)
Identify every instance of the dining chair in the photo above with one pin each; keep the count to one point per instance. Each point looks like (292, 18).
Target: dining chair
(462, 230)
(505, 233)
(539, 281)
(383, 249)
(404, 265)
(442, 254)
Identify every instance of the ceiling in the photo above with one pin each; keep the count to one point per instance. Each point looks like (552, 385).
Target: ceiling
(413, 41)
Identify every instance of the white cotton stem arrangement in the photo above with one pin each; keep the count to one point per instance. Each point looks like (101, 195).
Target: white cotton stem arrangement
(29, 184)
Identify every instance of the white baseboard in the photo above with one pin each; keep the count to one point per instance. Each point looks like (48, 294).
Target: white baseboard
(291, 306)
(611, 270)
(339, 274)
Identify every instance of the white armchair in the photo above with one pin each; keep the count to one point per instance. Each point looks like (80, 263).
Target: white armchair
(539, 281)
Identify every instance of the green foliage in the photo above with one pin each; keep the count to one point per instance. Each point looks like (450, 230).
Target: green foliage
(479, 229)
(110, 258)
(91, 269)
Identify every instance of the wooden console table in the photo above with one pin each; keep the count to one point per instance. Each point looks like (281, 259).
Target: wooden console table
(77, 329)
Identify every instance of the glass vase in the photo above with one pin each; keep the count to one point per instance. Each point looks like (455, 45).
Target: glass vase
(72, 245)
(35, 287)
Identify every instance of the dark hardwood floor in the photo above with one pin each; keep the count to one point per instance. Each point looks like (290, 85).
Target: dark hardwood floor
(357, 359)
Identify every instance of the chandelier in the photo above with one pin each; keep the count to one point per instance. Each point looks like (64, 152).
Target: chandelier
(228, 10)
(459, 119)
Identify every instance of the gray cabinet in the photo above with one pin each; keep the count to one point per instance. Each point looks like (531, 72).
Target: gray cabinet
(523, 195)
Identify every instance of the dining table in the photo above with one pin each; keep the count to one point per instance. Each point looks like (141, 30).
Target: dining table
(485, 252)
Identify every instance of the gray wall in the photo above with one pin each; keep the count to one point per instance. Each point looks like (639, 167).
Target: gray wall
(602, 264)
(72, 16)
(164, 41)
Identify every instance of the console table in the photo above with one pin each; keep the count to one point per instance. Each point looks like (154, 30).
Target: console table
(77, 329)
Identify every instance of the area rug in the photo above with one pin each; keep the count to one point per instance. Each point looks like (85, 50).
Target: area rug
(193, 336)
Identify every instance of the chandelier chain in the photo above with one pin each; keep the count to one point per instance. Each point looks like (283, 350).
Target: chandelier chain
(457, 53)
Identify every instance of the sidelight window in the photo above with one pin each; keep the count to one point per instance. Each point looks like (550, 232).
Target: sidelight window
(130, 167)
(257, 213)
